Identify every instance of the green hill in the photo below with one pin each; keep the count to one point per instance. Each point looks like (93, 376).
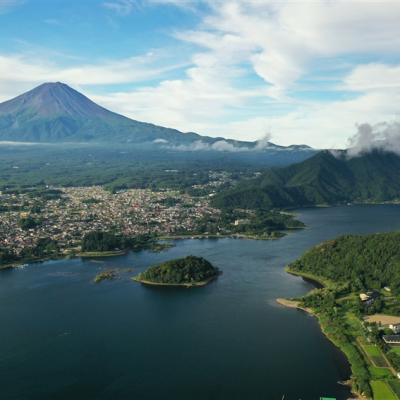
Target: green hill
(322, 179)
(368, 262)
(188, 271)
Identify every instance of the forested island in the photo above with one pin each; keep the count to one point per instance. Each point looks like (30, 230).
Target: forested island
(358, 305)
(189, 271)
(105, 275)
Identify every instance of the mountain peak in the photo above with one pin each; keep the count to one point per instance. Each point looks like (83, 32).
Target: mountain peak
(52, 100)
(52, 86)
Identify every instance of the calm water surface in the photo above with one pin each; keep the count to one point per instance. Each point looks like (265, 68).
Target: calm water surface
(63, 337)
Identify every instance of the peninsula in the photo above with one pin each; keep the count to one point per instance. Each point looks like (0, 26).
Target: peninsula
(189, 271)
(358, 306)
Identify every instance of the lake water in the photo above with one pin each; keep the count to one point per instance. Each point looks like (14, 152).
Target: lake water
(64, 337)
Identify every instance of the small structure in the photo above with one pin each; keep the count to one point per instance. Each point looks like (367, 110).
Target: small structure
(364, 297)
(369, 297)
(241, 221)
(391, 339)
(387, 289)
(395, 328)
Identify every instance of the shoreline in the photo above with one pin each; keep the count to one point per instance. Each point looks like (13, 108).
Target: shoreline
(223, 236)
(177, 285)
(99, 254)
(116, 253)
(296, 304)
(64, 256)
(318, 282)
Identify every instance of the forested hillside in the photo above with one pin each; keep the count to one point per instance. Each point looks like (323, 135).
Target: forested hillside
(368, 262)
(323, 179)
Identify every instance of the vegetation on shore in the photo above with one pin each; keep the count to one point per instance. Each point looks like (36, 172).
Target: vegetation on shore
(188, 271)
(45, 248)
(356, 262)
(93, 254)
(94, 244)
(105, 275)
(248, 224)
(346, 267)
(103, 243)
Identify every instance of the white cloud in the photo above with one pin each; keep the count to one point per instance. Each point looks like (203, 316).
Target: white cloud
(21, 72)
(219, 145)
(280, 41)
(192, 104)
(383, 136)
(248, 59)
(286, 37)
(374, 77)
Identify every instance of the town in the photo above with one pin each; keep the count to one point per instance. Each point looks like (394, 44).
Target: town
(65, 215)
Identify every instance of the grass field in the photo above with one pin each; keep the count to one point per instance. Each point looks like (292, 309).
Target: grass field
(354, 325)
(379, 373)
(375, 355)
(382, 391)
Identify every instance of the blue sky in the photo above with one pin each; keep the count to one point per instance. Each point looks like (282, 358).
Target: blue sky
(305, 71)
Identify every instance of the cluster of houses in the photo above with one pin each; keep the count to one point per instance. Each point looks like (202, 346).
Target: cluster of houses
(83, 209)
(395, 338)
(368, 299)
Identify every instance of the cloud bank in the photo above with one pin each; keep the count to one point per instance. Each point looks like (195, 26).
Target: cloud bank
(222, 145)
(384, 136)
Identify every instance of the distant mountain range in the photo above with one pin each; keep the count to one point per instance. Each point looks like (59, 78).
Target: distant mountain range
(325, 178)
(56, 113)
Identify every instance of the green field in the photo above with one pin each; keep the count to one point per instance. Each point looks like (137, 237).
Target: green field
(374, 353)
(354, 324)
(380, 373)
(382, 391)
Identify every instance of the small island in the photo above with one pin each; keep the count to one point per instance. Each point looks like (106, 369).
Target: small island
(105, 275)
(188, 272)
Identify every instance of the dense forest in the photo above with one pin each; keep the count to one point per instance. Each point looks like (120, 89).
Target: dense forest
(101, 241)
(325, 178)
(368, 262)
(188, 270)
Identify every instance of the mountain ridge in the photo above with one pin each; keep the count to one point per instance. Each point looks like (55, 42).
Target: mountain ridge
(54, 112)
(323, 179)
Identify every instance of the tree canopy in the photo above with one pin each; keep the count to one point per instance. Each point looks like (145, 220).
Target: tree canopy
(186, 270)
(364, 262)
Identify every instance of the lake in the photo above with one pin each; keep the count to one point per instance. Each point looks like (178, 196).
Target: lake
(64, 337)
